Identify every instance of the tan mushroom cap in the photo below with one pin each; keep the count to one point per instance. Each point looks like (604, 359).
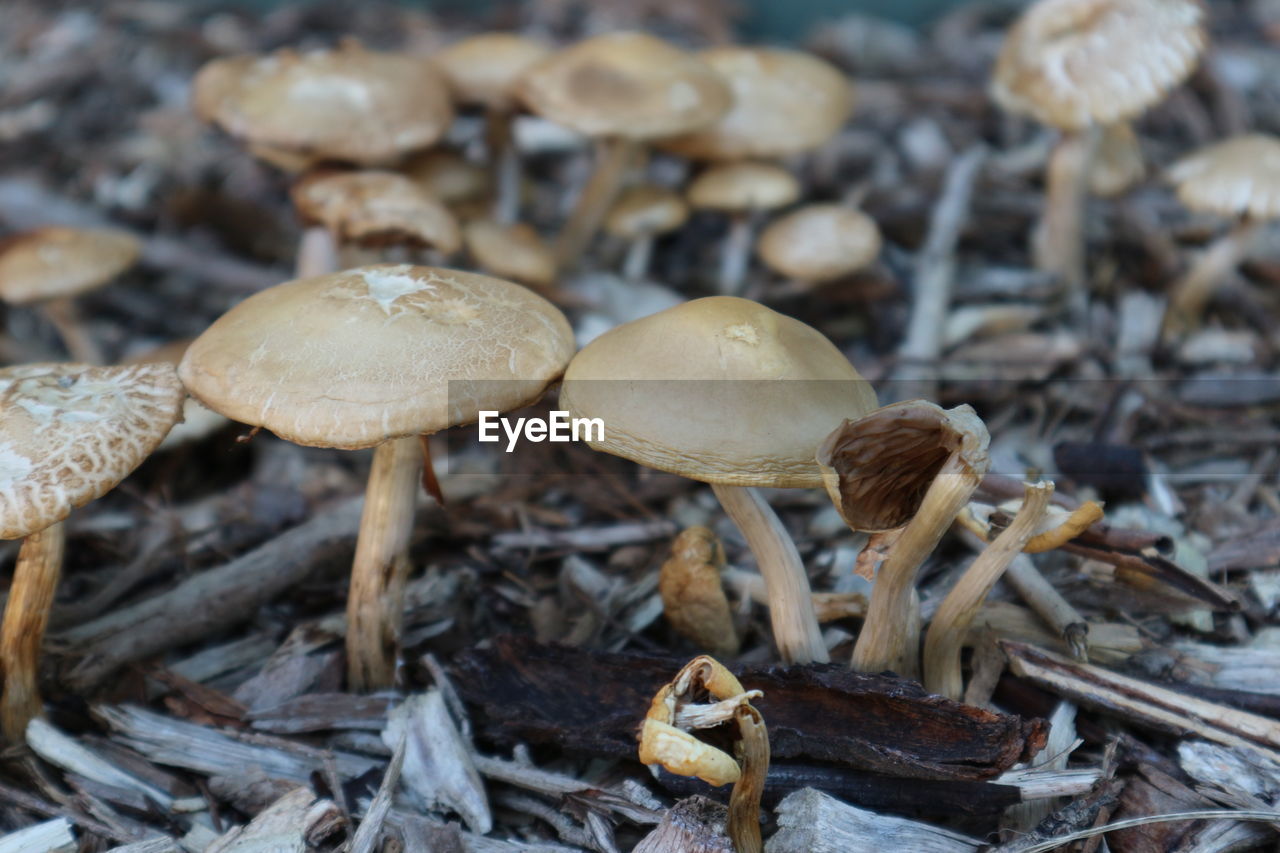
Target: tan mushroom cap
(358, 357)
(1073, 63)
(511, 251)
(198, 421)
(1238, 177)
(70, 432)
(347, 103)
(483, 70)
(819, 242)
(376, 208)
(784, 102)
(447, 175)
(645, 210)
(626, 84)
(1118, 165)
(53, 262)
(743, 186)
(719, 389)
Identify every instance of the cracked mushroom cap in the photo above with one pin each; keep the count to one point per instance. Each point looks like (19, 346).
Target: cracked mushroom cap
(1074, 63)
(626, 84)
(376, 208)
(743, 186)
(53, 262)
(511, 251)
(358, 357)
(646, 210)
(70, 432)
(784, 102)
(820, 242)
(346, 103)
(483, 70)
(1238, 177)
(720, 389)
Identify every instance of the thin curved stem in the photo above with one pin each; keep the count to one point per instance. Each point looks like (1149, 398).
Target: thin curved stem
(735, 254)
(1192, 292)
(614, 156)
(63, 316)
(26, 616)
(635, 266)
(1059, 241)
(504, 159)
(317, 253)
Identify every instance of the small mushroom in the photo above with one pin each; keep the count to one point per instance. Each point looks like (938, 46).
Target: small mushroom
(379, 356)
(511, 251)
(448, 176)
(640, 215)
(744, 190)
(68, 434)
(693, 599)
(819, 243)
(1118, 166)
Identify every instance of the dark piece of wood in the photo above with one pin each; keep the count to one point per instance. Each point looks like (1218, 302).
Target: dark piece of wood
(593, 701)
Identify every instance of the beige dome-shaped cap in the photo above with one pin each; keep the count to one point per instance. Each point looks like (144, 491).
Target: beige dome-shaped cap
(70, 432)
(626, 84)
(358, 357)
(198, 420)
(1238, 177)
(820, 242)
(483, 70)
(1118, 165)
(348, 103)
(771, 390)
(376, 208)
(743, 186)
(646, 210)
(447, 175)
(511, 251)
(784, 102)
(1073, 63)
(52, 262)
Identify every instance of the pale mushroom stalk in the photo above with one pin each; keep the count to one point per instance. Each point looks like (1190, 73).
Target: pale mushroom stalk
(1059, 247)
(735, 254)
(317, 252)
(635, 266)
(63, 316)
(951, 622)
(26, 615)
(381, 567)
(795, 623)
(505, 158)
(1192, 291)
(614, 156)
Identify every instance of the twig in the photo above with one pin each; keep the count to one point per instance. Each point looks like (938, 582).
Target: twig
(1205, 814)
(1049, 605)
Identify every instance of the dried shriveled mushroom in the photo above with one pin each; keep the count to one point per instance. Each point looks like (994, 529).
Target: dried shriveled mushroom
(819, 242)
(744, 190)
(641, 214)
(68, 434)
(378, 356)
(693, 598)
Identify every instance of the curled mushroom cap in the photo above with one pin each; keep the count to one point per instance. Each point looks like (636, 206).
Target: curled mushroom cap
(1118, 165)
(70, 432)
(53, 262)
(670, 388)
(1238, 177)
(358, 357)
(820, 242)
(744, 186)
(376, 208)
(645, 210)
(625, 84)
(1073, 63)
(512, 251)
(347, 103)
(784, 102)
(483, 70)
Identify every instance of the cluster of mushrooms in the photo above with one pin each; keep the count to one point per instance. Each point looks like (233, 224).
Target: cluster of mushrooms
(720, 389)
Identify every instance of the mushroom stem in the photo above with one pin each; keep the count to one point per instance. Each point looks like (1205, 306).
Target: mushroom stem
(636, 264)
(1191, 293)
(505, 160)
(1059, 239)
(887, 639)
(381, 564)
(35, 578)
(613, 157)
(744, 803)
(317, 253)
(951, 622)
(63, 316)
(795, 624)
(735, 254)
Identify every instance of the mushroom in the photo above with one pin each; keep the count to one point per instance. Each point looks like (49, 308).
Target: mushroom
(1118, 166)
(671, 389)
(483, 71)
(378, 356)
(620, 89)
(641, 214)
(68, 434)
(511, 251)
(1238, 179)
(819, 243)
(743, 190)
(198, 421)
(50, 266)
(1080, 65)
(693, 599)
(447, 175)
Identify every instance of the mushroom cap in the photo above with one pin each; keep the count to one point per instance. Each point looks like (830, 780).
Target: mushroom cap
(70, 432)
(719, 389)
(447, 175)
(625, 84)
(1073, 63)
(1237, 177)
(743, 186)
(1118, 165)
(511, 251)
(784, 102)
(483, 70)
(345, 103)
(53, 262)
(819, 242)
(645, 210)
(354, 358)
(198, 421)
(376, 208)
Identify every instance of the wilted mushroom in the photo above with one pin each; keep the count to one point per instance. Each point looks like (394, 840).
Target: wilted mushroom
(378, 356)
(693, 598)
(641, 214)
(819, 242)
